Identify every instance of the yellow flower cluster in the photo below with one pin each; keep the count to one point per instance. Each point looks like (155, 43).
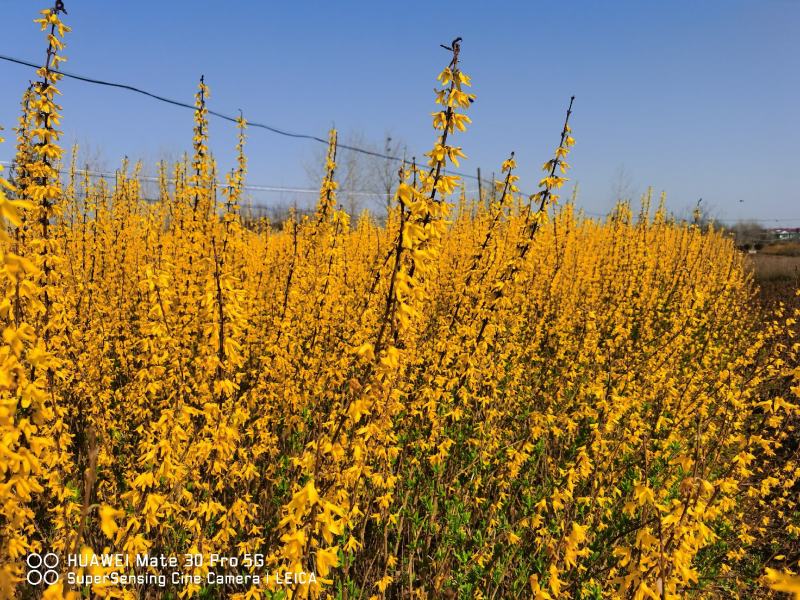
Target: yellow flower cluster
(499, 399)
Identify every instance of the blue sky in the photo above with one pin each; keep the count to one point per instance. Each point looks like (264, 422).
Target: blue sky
(698, 99)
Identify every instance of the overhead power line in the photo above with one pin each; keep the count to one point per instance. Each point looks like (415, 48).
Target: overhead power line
(249, 187)
(300, 190)
(278, 131)
(217, 114)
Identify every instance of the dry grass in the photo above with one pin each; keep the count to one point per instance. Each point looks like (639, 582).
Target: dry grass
(771, 267)
(778, 279)
(782, 249)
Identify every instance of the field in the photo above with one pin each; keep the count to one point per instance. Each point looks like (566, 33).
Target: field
(475, 399)
(782, 249)
(771, 267)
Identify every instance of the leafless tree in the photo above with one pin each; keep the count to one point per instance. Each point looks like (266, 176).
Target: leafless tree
(749, 234)
(365, 181)
(622, 186)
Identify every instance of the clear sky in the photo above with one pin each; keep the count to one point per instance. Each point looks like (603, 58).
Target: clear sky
(699, 99)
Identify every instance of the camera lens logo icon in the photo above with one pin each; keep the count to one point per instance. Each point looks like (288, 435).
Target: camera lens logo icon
(42, 568)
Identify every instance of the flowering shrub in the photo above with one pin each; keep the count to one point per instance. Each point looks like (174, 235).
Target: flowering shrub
(482, 400)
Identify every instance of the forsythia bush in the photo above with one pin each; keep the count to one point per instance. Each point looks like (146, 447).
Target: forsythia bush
(498, 399)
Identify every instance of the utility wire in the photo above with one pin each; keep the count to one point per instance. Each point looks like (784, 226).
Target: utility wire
(299, 190)
(275, 130)
(220, 115)
(249, 187)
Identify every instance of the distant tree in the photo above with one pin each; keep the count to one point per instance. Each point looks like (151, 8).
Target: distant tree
(701, 213)
(622, 186)
(748, 234)
(365, 181)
